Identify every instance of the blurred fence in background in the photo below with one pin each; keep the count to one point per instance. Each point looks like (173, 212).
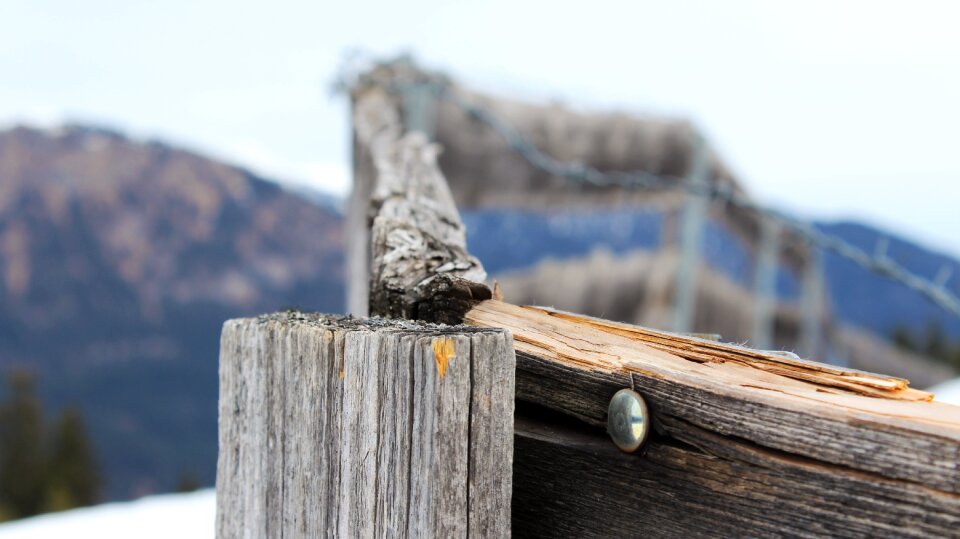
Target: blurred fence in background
(499, 153)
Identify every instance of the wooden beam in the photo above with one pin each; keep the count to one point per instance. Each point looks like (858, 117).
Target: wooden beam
(358, 428)
(357, 230)
(570, 481)
(420, 265)
(736, 428)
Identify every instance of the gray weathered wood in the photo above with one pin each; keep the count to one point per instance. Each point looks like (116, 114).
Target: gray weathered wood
(570, 481)
(364, 428)
(357, 229)
(419, 260)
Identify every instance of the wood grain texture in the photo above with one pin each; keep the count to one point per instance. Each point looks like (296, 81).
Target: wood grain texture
(570, 481)
(575, 367)
(707, 351)
(364, 428)
(420, 266)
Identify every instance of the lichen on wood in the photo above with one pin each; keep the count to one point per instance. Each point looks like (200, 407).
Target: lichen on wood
(420, 266)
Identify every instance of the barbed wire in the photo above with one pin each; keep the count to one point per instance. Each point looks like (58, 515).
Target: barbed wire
(878, 262)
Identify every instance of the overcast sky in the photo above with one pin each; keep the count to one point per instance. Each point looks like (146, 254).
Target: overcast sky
(829, 109)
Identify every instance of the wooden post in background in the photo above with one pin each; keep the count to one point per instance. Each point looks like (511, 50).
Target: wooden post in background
(361, 428)
(357, 249)
(765, 285)
(419, 108)
(691, 237)
(812, 307)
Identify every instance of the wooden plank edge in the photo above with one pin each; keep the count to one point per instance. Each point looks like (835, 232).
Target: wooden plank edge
(701, 350)
(575, 369)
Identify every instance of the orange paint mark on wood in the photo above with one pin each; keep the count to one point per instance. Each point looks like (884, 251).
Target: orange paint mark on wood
(443, 352)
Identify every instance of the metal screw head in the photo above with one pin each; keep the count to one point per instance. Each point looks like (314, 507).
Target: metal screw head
(628, 420)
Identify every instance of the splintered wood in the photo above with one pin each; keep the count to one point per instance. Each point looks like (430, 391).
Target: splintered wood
(346, 428)
(849, 453)
(705, 351)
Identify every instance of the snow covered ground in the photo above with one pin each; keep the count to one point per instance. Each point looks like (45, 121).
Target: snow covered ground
(948, 391)
(178, 516)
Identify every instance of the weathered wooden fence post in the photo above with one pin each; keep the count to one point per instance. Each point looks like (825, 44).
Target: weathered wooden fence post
(333, 426)
(359, 428)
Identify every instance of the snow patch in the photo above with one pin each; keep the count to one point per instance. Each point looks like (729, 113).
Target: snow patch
(948, 392)
(182, 516)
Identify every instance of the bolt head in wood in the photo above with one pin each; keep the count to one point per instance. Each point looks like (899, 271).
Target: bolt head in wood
(628, 420)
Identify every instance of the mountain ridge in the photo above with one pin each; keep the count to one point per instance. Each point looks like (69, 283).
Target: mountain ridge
(119, 261)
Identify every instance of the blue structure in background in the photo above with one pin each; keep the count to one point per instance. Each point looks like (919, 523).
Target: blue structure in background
(506, 239)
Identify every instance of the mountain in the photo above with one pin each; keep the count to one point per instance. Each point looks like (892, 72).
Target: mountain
(120, 260)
